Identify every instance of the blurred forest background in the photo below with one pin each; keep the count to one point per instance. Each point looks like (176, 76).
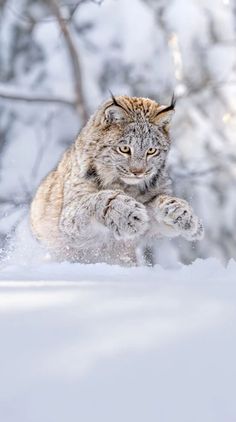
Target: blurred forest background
(58, 60)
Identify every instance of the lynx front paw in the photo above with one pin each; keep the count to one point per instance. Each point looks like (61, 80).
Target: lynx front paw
(178, 214)
(126, 217)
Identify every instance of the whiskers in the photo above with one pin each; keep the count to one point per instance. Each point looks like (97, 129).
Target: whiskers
(123, 170)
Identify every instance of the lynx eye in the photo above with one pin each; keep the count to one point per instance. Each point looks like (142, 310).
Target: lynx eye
(125, 149)
(151, 151)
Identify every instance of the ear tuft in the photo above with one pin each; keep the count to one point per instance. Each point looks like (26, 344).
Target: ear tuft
(115, 114)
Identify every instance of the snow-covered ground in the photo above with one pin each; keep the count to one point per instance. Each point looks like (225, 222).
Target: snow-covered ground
(107, 344)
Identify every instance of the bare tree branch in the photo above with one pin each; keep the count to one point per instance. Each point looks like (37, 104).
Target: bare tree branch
(208, 86)
(26, 97)
(32, 19)
(14, 202)
(191, 174)
(75, 61)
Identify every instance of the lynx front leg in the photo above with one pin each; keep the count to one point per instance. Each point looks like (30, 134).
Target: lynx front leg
(176, 217)
(121, 214)
(124, 216)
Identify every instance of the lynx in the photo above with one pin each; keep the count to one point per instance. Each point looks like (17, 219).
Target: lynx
(110, 193)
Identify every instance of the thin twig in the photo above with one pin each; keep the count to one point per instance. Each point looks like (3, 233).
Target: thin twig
(209, 86)
(189, 174)
(9, 201)
(34, 99)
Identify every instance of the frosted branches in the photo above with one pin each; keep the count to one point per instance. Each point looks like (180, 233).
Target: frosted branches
(78, 102)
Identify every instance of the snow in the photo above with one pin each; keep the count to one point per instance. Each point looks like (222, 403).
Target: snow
(104, 343)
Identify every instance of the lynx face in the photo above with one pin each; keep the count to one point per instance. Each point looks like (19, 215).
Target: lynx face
(140, 152)
(135, 140)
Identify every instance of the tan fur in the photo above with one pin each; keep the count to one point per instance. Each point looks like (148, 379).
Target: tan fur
(48, 202)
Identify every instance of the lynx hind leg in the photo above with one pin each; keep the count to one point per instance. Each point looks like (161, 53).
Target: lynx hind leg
(179, 215)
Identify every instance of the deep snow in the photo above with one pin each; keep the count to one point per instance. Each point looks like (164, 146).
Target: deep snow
(104, 343)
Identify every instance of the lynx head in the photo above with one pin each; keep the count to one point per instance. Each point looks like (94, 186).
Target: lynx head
(128, 140)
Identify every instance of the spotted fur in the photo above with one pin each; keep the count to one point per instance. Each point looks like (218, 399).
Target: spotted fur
(100, 203)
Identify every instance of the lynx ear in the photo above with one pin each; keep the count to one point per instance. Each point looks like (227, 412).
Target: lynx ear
(164, 118)
(115, 114)
(164, 114)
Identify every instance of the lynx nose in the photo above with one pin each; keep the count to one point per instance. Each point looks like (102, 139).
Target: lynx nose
(137, 171)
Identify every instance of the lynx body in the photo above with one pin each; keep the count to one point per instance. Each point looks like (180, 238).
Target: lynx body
(110, 193)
